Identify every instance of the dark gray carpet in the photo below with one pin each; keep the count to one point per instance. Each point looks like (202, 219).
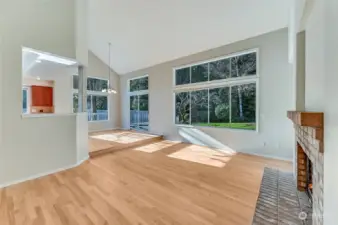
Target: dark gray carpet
(279, 202)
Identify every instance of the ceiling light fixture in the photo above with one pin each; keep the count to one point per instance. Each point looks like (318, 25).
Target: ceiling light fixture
(109, 90)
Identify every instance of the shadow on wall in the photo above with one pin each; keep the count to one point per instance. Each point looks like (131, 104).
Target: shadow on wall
(198, 137)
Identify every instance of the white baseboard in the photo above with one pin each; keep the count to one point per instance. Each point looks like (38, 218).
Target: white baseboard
(269, 156)
(42, 174)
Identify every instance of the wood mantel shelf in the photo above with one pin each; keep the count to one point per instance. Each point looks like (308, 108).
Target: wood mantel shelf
(307, 119)
(310, 119)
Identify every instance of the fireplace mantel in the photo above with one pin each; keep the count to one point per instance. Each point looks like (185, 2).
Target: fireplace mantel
(314, 120)
(307, 119)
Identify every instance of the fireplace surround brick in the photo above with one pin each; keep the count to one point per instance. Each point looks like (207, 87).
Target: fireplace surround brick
(308, 146)
(309, 130)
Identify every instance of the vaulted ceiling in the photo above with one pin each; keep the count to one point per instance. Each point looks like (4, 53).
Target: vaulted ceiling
(147, 32)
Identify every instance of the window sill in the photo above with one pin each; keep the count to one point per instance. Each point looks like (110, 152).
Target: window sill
(222, 128)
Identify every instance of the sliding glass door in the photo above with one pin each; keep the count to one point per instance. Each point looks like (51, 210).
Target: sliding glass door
(139, 112)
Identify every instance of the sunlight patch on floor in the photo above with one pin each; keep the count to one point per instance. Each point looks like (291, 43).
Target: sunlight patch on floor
(155, 146)
(122, 137)
(198, 137)
(203, 155)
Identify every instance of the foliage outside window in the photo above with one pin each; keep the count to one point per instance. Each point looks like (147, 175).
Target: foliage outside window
(139, 84)
(231, 105)
(97, 107)
(97, 101)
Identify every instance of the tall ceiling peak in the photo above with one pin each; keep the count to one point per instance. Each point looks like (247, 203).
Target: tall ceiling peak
(145, 33)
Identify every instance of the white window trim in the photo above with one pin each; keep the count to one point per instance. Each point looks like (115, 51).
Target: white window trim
(95, 93)
(218, 84)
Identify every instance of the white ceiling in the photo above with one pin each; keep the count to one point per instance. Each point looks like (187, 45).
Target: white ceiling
(147, 32)
(46, 70)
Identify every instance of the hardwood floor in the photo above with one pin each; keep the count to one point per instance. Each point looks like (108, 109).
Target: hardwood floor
(160, 183)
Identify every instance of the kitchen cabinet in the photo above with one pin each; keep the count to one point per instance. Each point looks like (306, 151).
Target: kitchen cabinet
(42, 96)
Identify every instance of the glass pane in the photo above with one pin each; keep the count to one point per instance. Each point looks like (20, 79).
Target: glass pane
(219, 113)
(140, 84)
(143, 120)
(75, 82)
(199, 107)
(183, 76)
(89, 108)
(24, 101)
(243, 106)
(100, 107)
(143, 84)
(75, 102)
(244, 65)
(182, 104)
(199, 73)
(220, 69)
(94, 84)
(134, 112)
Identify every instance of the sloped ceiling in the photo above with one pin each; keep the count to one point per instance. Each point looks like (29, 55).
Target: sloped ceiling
(147, 32)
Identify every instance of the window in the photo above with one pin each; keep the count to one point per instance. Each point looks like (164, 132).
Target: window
(139, 103)
(97, 101)
(75, 102)
(97, 107)
(24, 100)
(139, 84)
(94, 84)
(225, 96)
(229, 67)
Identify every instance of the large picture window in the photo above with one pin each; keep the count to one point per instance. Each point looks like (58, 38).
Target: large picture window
(97, 101)
(225, 95)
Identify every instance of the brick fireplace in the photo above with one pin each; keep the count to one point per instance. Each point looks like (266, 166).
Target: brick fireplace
(310, 159)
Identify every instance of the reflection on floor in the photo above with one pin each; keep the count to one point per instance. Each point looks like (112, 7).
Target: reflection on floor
(107, 141)
(156, 183)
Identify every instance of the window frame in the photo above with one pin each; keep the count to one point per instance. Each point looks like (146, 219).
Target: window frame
(207, 85)
(94, 93)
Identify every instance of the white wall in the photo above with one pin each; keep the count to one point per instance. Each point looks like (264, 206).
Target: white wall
(100, 70)
(63, 95)
(321, 92)
(315, 62)
(276, 132)
(32, 146)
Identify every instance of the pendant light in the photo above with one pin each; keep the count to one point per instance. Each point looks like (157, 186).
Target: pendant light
(110, 90)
